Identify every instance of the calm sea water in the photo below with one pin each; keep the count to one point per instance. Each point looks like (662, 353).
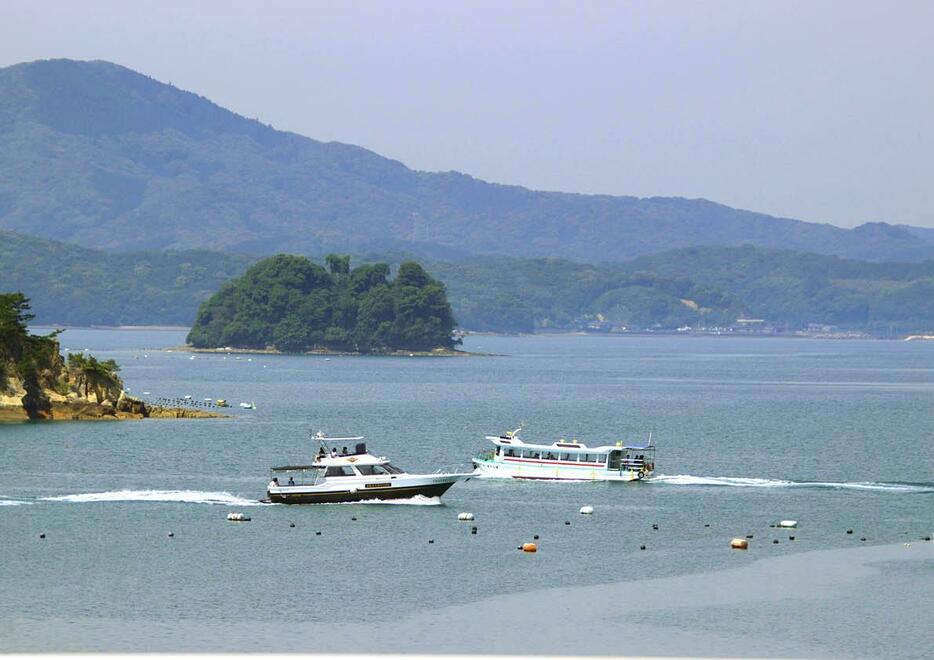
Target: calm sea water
(835, 434)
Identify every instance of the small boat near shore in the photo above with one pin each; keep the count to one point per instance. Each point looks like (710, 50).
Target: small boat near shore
(355, 475)
(514, 458)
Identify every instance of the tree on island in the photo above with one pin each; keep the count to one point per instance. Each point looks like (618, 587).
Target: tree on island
(291, 304)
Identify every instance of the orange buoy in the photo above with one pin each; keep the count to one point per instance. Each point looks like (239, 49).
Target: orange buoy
(529, 547)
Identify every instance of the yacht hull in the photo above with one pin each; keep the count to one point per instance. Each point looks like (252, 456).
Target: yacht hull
(431, 487)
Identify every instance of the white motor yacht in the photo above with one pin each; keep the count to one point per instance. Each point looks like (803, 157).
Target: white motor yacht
(352, 475)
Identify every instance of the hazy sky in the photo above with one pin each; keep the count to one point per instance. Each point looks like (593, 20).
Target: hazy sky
(822, 111)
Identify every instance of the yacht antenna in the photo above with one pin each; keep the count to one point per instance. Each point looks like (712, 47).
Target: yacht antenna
(319, 436)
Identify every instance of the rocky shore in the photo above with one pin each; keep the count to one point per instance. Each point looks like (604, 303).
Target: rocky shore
(78, 409)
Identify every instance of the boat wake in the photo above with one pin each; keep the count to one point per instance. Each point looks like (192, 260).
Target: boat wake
(13, 502)
(415, 500)
(185, 496)
(751, 482)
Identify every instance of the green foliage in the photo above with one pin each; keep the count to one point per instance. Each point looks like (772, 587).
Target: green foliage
(292, 304)
(99, 377)
(523, 295)
(72, 285)
(96, 154)
(33, 359)
(793, 289)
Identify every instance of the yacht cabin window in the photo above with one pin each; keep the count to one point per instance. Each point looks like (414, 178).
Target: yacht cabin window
(339, 471)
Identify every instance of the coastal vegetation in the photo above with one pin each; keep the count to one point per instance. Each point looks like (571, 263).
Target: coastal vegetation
(37, 383)
(33, 374)
(291, 304)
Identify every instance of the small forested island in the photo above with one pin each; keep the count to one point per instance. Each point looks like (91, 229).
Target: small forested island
(290, 304)
(36, 382)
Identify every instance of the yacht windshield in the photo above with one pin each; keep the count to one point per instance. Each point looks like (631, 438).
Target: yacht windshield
(369, 470)
(392, 469)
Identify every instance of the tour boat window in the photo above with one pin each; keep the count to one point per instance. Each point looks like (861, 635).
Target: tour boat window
(510, 452)
(339, 471)
(533, 454)
(569, 457)
(391, 469)
(586, 458)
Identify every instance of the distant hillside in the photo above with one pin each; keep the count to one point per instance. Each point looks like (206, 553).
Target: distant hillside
(96, 154)
(794, 289)
(696, 286)
(71, 285)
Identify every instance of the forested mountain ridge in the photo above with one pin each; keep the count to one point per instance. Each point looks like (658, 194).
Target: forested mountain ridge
(73, 285)
(96, 154)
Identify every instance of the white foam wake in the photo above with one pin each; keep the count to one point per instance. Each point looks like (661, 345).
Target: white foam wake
(13, 502)
(415, 500)
(752, 482)
(186, 496)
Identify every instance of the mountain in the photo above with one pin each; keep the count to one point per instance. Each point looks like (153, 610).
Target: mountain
(99, 155)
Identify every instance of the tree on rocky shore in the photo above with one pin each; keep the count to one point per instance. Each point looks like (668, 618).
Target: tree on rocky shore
(32, 369)
(93, 375)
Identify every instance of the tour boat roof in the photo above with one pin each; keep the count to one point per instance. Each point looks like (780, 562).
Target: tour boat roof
(570, 446)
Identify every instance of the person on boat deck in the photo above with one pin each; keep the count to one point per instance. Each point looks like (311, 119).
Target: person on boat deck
(333, 452)
(343, 451)
(274, 482)
(291, 481)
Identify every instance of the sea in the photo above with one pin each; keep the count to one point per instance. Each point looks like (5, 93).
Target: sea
(835, 434)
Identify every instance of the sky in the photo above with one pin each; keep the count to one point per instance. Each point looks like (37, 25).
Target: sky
(818, 110)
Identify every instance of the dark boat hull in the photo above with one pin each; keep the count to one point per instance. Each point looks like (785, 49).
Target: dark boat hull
(362, 495)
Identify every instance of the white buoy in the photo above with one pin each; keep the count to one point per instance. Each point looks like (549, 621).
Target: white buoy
(587, 510)
(739, 544)
(465, 516)
(788, 523)
(237, 517)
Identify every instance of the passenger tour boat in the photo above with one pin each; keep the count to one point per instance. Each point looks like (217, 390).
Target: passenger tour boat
(352, 475)
(515, 458)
